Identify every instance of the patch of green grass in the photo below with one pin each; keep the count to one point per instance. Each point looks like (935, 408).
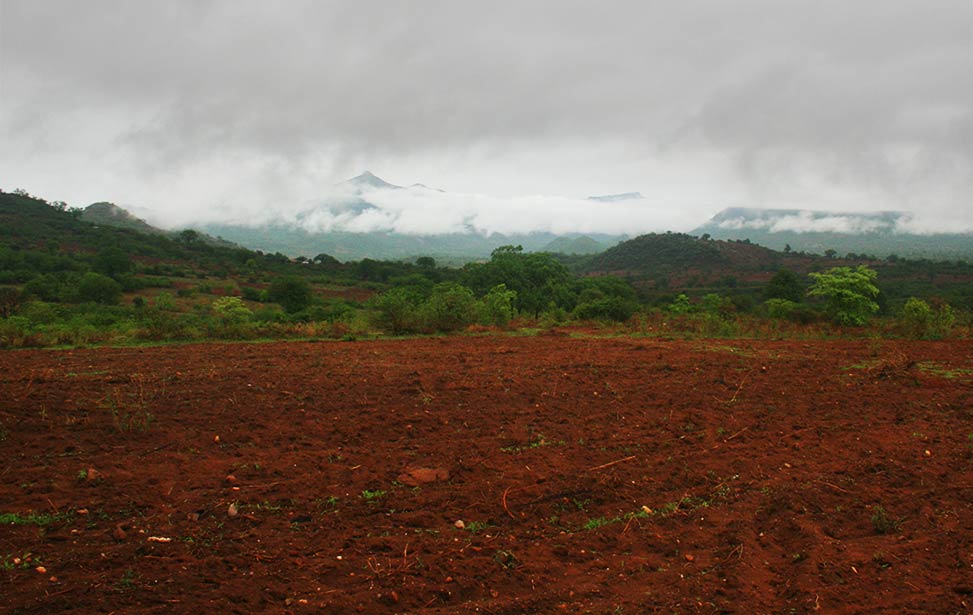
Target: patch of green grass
(883, 522)
(538, 441)
(596, 522)
(14, 562)
(935, 369)
(475, 527)
(373, 495)
(38, 519)
(127, 582)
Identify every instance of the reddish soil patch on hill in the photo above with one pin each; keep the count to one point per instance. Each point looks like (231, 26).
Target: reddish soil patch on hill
(591, 476)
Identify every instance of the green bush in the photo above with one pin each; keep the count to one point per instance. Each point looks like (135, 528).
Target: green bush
(97, 288)
(397, 311)
(497, 306)
(614, 309)
(780, 308)
(923, 321)
(451, 307)
(291, 293)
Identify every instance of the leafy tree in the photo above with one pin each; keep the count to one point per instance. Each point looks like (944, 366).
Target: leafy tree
(98, 288)
(498, 306)
(849, 293)
(539, 280)
(680, 305)
(292, 293)
(450, 307)
(231, 310)
(926, 322)
(785, 285)
(605, 298)
(398, 310)
(780, 308)
(113, 262)
(10, 299)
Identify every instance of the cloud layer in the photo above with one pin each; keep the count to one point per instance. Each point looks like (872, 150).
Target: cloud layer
(250, 110)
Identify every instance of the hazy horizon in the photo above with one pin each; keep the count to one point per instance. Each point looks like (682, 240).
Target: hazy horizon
(233, 111)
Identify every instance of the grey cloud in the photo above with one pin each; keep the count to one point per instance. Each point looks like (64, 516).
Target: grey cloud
(243, 102)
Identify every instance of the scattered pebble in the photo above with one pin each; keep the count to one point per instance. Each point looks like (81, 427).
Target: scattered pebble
(459, 524)
(230, 478)
(233, 510)
(41, 570)
(690, 557)
(216, 439)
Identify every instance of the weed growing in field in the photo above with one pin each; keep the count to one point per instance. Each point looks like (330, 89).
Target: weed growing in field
(475, 527)
(506, 559)
(597, 522)
(883, 522)
(13, 562)
(935, 369)
(127, 582)
(327, 505)
(38, 519)
(129, 410)
(539, 441)
(371, 496)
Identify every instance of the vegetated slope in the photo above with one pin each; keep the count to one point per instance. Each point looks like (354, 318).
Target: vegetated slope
(29, 223)
(676, 256)
(109, 214)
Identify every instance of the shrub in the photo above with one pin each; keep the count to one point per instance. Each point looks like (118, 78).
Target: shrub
(606, 308)
(291, 293)
(397, 311)
(231, 310)
(98, 288)
(780, 308)
(923, 321)
(497, 306)
(450, 307)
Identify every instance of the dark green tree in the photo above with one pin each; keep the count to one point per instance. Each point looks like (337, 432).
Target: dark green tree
(292, 293)
(539, 280)
(97, 288)
(10, 299)
(113, 262)
(785, 285)
(450, 307)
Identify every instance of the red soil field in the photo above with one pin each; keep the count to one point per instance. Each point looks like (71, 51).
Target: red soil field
(591, 476)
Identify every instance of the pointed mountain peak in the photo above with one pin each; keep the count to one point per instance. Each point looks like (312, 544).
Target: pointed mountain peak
(369, 180)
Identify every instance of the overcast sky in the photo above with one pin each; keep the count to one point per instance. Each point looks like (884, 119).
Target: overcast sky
(196, 110)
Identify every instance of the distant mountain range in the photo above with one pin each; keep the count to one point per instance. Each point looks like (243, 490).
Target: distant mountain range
(350, 204)
(329, 227)
(874, 233)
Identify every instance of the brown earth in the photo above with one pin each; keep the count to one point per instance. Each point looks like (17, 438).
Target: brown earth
(590, 475)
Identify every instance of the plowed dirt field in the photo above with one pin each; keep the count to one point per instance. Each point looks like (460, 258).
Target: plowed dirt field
(493, 475)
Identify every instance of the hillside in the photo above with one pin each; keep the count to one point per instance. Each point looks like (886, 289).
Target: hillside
(109, 214)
